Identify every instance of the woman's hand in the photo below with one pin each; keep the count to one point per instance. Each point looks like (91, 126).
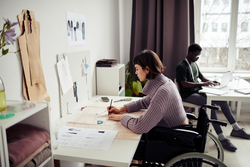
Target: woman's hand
(117, 110)
(116, 113)
(115, 117)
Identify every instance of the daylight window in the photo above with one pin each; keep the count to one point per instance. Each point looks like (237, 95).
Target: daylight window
(224, 35)
(214, 27)
(204, 27)
(223, 27)
(244, 27)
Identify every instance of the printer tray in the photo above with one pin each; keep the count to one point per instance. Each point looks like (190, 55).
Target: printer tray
(106, 63)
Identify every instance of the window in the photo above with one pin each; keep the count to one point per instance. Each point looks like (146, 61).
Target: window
(216, 2)
(223, 27)
(244, 27)
(225, 48)
(214, 27)
(225, 2)
(204, 27)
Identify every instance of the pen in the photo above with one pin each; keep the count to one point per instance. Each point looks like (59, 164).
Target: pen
(110, 104)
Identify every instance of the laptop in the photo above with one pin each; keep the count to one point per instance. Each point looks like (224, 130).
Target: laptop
(224, 81)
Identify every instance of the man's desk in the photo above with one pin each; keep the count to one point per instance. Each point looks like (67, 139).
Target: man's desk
(120, 153)
(232, 95)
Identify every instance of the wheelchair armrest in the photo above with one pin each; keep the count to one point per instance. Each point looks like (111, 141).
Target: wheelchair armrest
(178, 132)
(210, 107)
(218, 122)
(191, 116)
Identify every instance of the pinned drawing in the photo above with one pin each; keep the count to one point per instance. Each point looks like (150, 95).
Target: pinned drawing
(75, 29)
(64, 75)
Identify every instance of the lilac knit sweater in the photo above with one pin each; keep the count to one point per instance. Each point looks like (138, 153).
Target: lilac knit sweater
(163, 104)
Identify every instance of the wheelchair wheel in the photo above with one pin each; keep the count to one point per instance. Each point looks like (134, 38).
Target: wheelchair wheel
(194, 160)
(213, 147)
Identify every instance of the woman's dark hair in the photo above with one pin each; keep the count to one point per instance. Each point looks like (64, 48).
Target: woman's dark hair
(149, 58)
(194, 47)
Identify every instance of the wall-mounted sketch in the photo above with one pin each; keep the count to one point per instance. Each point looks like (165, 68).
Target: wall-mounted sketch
(76, 29)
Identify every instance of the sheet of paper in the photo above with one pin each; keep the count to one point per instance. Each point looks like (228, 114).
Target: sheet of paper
(86, 138)
(97, 112)
(64, 75)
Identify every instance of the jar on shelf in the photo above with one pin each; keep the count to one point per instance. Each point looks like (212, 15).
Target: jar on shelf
(2, 96)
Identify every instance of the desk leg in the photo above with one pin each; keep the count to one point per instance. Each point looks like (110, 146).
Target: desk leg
(57, 163)
(232, 105)
(238, 111)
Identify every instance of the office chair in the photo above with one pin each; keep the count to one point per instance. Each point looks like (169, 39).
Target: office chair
(186, 104)
(183, 145)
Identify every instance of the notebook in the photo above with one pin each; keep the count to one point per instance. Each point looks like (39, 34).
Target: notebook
(243, 91)
(224, 81)
(212, 91)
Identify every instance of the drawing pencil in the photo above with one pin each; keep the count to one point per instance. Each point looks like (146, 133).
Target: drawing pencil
(110, 105)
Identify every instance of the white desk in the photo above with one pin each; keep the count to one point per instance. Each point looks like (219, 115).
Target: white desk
(232, 96)
(120, 153)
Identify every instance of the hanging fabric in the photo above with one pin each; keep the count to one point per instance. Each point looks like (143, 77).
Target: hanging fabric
(34, 87)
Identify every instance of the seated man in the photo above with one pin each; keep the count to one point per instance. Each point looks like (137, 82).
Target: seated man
(187, 74)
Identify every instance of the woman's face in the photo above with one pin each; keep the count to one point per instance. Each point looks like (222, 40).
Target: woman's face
(141, 74)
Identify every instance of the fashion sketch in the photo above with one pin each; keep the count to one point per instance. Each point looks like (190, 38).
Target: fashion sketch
(76, 29)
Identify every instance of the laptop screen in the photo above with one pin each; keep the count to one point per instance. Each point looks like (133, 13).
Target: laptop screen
(225, 79)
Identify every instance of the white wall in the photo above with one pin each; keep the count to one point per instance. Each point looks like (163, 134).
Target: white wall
(102, 39)
(125, 29)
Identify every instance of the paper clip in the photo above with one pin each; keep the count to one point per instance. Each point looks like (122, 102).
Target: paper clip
(99, 122)
(83, 107)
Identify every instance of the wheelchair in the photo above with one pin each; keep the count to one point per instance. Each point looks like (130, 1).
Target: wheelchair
(183, 146)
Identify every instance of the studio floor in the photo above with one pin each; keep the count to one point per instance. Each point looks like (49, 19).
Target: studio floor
(240, 157)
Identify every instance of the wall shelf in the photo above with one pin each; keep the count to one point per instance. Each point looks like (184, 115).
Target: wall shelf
(111, 80)
(38, 116)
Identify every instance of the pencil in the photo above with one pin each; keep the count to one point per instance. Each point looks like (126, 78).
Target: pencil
(110, 105)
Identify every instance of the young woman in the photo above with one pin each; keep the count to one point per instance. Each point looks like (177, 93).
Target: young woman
(162, 101)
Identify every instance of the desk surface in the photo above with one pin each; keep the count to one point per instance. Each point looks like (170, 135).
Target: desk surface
(119, 154)
(232, 95)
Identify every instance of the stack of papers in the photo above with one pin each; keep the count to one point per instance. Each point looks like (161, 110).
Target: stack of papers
(212, 91)
(86, 138)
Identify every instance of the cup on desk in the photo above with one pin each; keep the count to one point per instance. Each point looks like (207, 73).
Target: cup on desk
(237, 79)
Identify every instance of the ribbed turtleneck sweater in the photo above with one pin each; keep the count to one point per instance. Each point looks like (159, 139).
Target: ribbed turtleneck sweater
(163, 106)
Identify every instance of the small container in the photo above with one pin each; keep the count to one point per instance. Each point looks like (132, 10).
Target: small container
(55, 139)
(237, 79)
(2, 96)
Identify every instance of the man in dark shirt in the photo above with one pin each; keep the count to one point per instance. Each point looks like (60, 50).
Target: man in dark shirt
(187, 75)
